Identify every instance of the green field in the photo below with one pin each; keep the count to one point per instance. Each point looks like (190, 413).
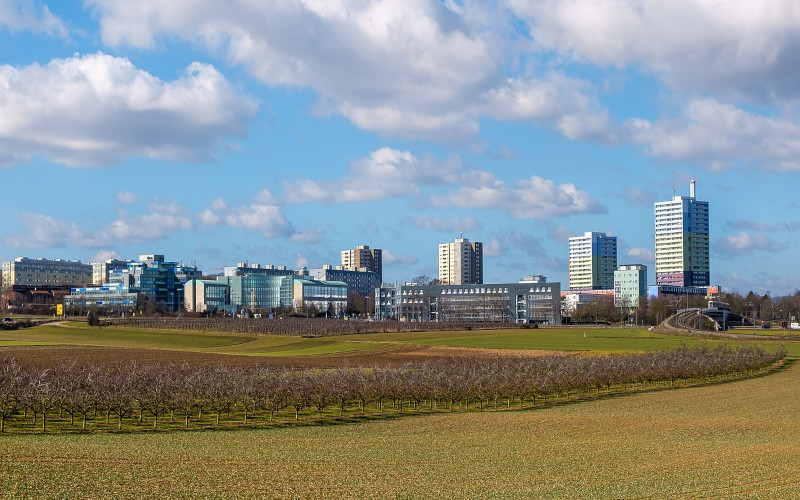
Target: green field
(561, 339)
(730, 440)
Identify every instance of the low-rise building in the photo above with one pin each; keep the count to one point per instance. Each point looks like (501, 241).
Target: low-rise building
(206, 296)
(630, 283)
(572, 300)
(111, 299)
(522, 302)
(258, 293)
(324, 296)
(27, 272)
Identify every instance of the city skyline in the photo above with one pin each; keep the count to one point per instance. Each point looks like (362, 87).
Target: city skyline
(284, 133)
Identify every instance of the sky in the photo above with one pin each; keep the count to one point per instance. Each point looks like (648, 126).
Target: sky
(282, 132)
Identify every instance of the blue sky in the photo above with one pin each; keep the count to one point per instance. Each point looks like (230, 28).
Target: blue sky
(284, 132)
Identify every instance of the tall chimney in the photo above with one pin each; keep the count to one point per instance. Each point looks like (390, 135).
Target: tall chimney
(691, 189)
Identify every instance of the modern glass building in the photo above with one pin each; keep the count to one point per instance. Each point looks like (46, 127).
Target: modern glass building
(159, 281)
(206, 296)
(682, 241)
(258, 293)
(323, 295)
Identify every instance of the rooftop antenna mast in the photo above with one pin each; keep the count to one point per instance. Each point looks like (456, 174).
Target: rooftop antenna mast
(673, 182)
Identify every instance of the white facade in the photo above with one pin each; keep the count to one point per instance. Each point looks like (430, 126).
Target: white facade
(592, 261)
(461, 262)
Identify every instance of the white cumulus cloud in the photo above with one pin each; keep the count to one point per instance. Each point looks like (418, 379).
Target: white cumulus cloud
(98, 110)
(739, 47)
(744, 243)
(26, 15)
(721, 136)
(402, 68)
(526, 198)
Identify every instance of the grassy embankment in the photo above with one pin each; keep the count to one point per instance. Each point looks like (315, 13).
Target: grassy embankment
(729, 440)
(589, 340)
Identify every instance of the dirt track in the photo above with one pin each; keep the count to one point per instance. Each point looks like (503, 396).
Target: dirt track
(49, 356)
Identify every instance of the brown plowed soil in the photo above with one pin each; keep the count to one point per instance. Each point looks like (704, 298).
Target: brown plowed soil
(49, 356)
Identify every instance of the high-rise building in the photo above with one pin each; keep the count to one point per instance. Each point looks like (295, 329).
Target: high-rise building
(682, 241)
(592, 261)
(461, 262)
(630, 283)
(363, 258)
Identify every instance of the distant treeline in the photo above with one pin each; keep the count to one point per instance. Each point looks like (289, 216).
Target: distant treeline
(306, 327)
(130, 396)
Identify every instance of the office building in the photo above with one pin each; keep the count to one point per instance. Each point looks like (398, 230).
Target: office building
(327, 297)
(682, 256)
(362, 282)
(630, 283)
(461, 262)
(363, 258)
(159, 282)
(110, 298)
(100, 270)
(592, 261)
(523, 302)
(206, 296)
(258, 293)
(26, 272)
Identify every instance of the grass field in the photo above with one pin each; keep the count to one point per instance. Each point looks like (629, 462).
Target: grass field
(562, 339)
(730, 440)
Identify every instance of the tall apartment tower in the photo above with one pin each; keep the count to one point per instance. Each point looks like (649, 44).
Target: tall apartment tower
(592, 261)
(682, 241)
(363, 258)
(461, 262)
